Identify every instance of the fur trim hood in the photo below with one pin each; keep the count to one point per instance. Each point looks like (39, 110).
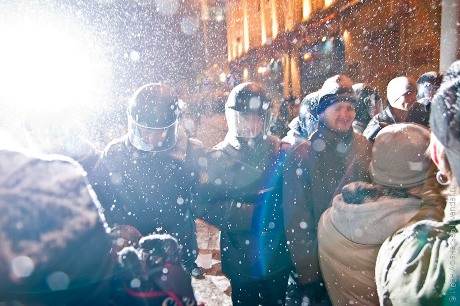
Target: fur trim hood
(370, 218)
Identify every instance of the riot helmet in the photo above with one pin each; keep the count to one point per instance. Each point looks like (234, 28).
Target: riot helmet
(369, 101)
(427, 85)
(153, 116)
(308, 119)
(248, 110)
(369, 104)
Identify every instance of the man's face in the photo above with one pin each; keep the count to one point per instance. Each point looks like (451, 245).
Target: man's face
(249, 125)
(339, 116)
(406, 101)
(154, 137)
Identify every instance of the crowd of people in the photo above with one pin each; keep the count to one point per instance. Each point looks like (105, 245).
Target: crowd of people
(358, 204)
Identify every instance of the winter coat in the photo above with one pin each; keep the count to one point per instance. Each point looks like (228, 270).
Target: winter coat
(150, 191)
(243, 199)
(54, 246)
(420, 263)
(314, 172)
(417, 114)
(350, 234)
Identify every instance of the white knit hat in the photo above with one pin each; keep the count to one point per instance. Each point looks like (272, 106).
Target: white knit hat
(399, 86)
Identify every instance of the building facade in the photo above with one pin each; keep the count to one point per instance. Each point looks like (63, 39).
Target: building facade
(292, 46)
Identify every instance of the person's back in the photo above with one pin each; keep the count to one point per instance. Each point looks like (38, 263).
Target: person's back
(54, 246)
(363, 215)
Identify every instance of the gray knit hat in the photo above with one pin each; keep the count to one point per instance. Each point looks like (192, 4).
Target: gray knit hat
(398, 155)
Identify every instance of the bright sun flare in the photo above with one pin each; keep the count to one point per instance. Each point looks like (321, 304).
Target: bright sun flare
(49, 64)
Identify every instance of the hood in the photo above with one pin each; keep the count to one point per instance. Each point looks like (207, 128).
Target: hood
(371, 221)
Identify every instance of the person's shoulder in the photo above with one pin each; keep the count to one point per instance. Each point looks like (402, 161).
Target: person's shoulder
(374, 125)
(302, 150)
(419, 114)
(195, 144)
(361, 140)
(406, 241)
(116, 146)
(220, 148)
(20, 163)
(415, 262)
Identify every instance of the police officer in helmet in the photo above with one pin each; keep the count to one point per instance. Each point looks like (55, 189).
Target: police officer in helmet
(242, 197)
(146, 178)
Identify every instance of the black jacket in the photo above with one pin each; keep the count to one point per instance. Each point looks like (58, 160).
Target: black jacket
(150, 191)
(314, 172)
(417, 114)
(243, 198)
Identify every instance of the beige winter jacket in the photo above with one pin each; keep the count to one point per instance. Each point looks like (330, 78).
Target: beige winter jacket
(349, 238)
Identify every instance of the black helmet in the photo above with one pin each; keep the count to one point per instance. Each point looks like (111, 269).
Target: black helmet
(153, 114)
(308, 119)
(247, 99)
(368, 98)
(427, 85)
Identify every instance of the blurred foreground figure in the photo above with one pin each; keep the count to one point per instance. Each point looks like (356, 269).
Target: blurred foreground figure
(58, 134)
(420, 263)
(146, 178)
(150, 273)
(242, 197)
(54, 246)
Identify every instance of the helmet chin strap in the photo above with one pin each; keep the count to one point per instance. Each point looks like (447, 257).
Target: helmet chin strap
(136, 140)
(140, 145)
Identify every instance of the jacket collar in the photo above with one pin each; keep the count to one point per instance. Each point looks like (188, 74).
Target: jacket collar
(374, 220)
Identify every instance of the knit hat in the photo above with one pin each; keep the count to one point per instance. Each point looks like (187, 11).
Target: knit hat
(338, 88)
(399, 86)
(445, 116)
(53, 233)
(398, 155)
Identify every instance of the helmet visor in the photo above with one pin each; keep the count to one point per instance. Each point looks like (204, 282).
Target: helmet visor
(152, 139)
(246, 125)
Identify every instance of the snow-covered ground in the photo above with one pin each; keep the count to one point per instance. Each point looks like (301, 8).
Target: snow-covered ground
(214, 289)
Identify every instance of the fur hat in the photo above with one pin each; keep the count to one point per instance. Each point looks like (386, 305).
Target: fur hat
(398, 155)
(399, 86)
(445, 116)
(338, 88)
